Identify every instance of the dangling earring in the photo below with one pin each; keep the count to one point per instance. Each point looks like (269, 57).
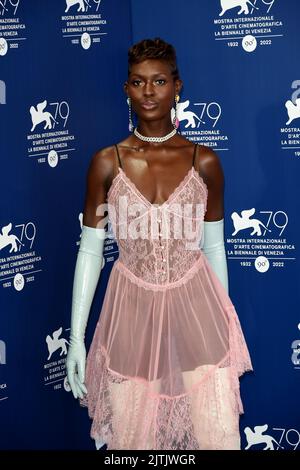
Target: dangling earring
(130, 126)
(175, 120)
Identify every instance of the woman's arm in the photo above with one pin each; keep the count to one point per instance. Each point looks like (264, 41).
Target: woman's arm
(213, 236)
(88, 265)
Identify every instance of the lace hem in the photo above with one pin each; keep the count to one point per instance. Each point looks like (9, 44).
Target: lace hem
(126, 415)
(239, 354)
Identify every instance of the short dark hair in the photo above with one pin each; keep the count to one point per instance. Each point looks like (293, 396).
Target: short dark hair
(155, 48)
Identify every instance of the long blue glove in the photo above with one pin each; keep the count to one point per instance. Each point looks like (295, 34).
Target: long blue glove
(214, 249)
(87, 273)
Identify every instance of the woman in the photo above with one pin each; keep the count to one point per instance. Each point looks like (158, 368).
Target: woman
(164, 365)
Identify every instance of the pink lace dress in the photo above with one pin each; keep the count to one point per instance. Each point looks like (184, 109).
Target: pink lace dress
(164, 364)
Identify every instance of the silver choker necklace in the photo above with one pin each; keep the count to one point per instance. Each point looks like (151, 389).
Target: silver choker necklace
(154, 139)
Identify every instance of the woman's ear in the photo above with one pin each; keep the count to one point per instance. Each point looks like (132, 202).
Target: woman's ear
(125, 87)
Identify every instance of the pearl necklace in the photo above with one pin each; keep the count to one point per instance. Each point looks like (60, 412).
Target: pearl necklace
(154, 139)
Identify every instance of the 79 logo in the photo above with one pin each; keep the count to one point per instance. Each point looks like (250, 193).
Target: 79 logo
(39, 114)
(9, 5)
(268, 4)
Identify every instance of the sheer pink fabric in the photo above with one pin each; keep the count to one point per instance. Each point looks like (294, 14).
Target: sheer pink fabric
(164, 365)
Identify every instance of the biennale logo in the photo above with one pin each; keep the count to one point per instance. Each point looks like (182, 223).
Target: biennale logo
(12, 26)
(290, 135)
(185, 115)
(293, 110)
(244, 221)
(9, 239)
(14, 265)
(50, 146)
(55, 343)
(258, 437)
(83, 5)
(39, 115)
(243, 5)
(210, 111)
(293, 105)
(289, 437)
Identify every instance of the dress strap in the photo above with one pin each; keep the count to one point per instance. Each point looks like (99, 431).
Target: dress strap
(195, 150)
(118, 156)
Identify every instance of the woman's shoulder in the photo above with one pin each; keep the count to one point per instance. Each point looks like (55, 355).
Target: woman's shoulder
(103, 162)
(104, 153)
(101, 165)
(205, 153)
(108, 153)
(209, 164)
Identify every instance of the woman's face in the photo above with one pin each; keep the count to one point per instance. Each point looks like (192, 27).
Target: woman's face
(152, 89)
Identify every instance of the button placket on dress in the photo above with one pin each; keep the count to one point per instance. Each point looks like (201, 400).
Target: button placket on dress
(162, 260)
